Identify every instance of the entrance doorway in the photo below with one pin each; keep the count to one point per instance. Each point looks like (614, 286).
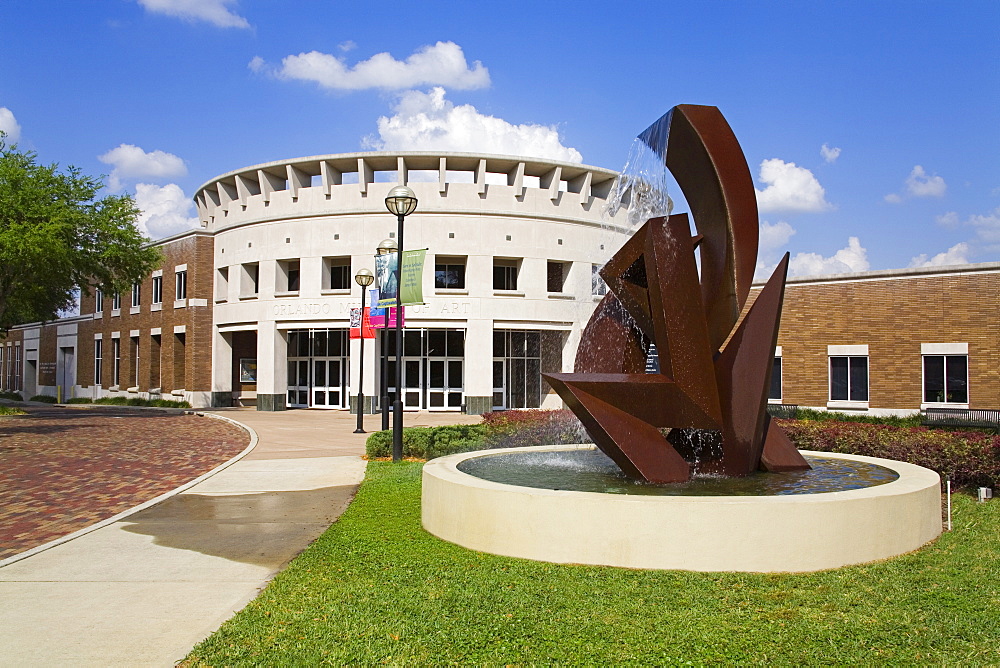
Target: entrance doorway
(317, 368)
(433, 368)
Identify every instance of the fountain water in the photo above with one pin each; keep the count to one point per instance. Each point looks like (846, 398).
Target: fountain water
(709, 396)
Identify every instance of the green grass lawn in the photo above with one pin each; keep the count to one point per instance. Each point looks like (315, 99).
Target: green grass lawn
(377, 589)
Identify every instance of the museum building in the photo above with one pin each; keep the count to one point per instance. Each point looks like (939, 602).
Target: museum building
(254, 307)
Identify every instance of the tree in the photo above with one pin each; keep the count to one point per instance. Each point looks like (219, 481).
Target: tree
(56, 237)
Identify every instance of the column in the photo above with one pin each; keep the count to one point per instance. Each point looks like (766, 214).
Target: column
(222, 369)
(479, 367)
(272, 360)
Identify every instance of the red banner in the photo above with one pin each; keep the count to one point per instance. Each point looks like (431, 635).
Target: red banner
(359, 322)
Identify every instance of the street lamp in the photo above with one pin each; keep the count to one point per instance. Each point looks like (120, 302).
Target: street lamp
(401, 202)
(364, 278)
(385, 247)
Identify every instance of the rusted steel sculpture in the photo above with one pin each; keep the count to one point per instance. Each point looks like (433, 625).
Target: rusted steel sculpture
(711, 389)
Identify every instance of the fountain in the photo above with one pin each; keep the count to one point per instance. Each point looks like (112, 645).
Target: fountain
(674, 434)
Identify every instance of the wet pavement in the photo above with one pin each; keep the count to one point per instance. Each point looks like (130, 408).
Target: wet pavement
(145, 588)
(63, 469)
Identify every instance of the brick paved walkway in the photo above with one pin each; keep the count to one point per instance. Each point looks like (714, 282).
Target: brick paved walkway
(64, 469)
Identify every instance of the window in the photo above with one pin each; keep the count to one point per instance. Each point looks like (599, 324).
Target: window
(250, 283)
(946, 379)
(98, 355)
(449, 273)
(222, 284)
(288, 276)
(775, 392)
(116, 370)
(848, 378)
(556, 276)
(504, 274)
(181, 284)
(157, 289)
(136, 295)
(116, 302)
(517, 366)
(135, 360)
(336, 273)
(597, 285)
(98, 301)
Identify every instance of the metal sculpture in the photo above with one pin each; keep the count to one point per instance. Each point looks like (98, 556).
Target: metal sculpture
(714, 367)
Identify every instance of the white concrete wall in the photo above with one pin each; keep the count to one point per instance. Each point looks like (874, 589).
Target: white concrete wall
(262, 215)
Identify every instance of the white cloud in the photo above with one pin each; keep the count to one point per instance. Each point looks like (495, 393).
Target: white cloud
(429, 122)
(829, 154)
(948, 219)
(774, 237)
(165, 210)
(957, 254)
(987, 229)
(131, 162)
(851, 259)
(9, 125)
(216, 12)
(771, 241)
(790, 188)
(921, 184)
(440, 64)
(349, 45)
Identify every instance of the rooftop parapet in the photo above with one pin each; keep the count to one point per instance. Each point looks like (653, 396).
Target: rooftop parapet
(354, 178)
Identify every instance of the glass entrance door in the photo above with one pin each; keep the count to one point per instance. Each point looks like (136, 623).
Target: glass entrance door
(444, 384)
(298, 383)
(317, 368)
(433, 368)
(329, 382)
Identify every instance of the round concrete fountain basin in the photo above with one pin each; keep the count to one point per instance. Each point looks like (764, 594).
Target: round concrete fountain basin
(783, 533)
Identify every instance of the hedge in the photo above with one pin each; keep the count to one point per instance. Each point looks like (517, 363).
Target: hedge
(44, 398)
(969, 458)
(136, 401)
(428, 442)
(11, 396)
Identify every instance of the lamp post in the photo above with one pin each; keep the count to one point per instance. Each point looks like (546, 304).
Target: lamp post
(385, 247)
(364, 278)
(401, 202)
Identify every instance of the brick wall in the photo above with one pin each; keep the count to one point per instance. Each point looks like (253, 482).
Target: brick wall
(163, 362)
(893, 316)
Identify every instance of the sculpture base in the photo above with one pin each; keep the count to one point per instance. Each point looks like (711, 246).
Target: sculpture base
(798, 533)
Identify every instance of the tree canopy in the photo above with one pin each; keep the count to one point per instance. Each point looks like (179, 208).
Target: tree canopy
(57, 237)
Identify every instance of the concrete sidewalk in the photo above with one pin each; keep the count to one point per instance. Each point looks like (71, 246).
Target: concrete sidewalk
(147, 588)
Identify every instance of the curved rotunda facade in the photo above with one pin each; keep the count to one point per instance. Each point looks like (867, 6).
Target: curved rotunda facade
(509, 279)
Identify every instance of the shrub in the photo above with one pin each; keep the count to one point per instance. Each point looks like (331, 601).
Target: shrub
(514, 429)
(79, 400)
(11, 396)
(10, 410)
(136, 401)
(44, 398)
(428, 442)
(969, 458)
(812, 415)
(111, 401)
(508, 429)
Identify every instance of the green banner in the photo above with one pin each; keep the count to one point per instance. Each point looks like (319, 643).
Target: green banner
(411, 285)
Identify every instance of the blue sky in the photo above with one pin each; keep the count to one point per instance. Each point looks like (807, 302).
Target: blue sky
(163, 95)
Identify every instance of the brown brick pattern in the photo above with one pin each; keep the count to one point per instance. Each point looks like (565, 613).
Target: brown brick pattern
(893, 316)
(168, 361)
(64, 469)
